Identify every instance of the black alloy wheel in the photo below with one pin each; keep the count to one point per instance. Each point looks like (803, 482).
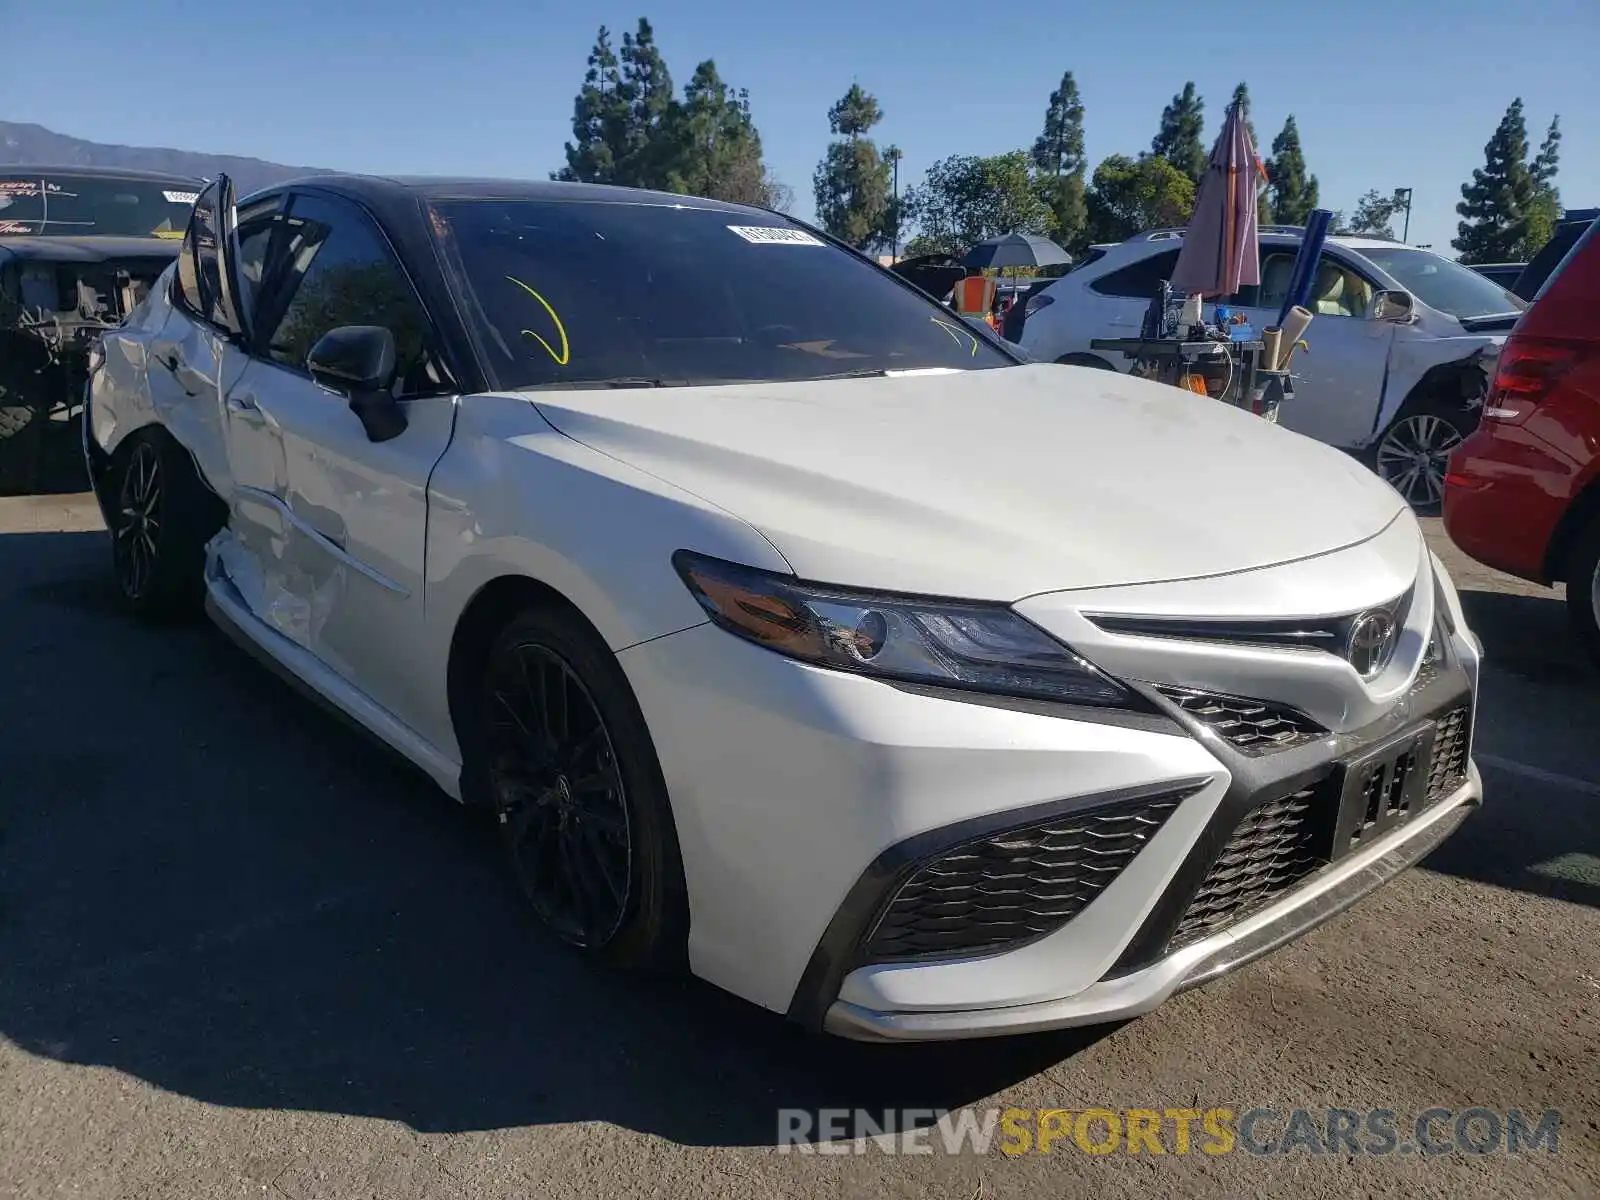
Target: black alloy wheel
(559, 794)
(137, 537)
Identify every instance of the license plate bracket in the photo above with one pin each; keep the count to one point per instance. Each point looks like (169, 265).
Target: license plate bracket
(1382, 789)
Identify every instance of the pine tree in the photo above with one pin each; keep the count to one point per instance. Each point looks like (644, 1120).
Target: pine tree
(851, 184)
(711, 143)
(599, 119)
(1544, 214)
(1182, 127)
(1059, 162)
(1495, 202)
(1293, 193)
(646, 90)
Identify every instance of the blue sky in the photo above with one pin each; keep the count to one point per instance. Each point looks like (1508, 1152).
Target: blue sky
(1386, 95)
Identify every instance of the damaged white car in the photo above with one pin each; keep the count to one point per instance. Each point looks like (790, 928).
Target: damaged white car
(793, 630)
(1402, 346)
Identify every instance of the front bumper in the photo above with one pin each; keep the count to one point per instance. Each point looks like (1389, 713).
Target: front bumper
(1127, 996)
(804, 800)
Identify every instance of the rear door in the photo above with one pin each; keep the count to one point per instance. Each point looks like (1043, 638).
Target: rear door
(199, 352)
(347, 581)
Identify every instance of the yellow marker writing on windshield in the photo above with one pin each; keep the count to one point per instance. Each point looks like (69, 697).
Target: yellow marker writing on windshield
(953, 331)
(566, 349)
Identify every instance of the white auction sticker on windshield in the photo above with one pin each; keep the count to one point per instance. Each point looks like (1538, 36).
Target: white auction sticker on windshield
(181, 197)
(772, 235)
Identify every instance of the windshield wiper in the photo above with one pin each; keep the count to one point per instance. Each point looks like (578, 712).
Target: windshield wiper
(620, 381)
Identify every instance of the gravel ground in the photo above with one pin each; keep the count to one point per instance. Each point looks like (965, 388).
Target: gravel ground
(244, 954)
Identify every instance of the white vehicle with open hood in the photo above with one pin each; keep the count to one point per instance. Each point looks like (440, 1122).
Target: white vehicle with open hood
(792, 629)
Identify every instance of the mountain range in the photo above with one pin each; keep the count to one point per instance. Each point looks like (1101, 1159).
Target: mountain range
(36, 146)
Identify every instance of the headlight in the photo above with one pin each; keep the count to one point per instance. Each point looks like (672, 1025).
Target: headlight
(982, 647)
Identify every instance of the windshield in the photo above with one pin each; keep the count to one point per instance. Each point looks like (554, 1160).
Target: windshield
(1444, 284)
(67, 205)
(573, 293)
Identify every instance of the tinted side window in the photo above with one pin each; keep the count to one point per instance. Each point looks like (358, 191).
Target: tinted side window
(339, 271)
(1138, 280)
(186, 282)
(207, 265)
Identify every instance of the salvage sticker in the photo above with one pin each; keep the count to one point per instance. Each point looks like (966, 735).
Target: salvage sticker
(181, 197)
(775, 236)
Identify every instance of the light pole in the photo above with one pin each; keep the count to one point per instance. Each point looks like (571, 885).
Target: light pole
(1404, 194)
(892, 153)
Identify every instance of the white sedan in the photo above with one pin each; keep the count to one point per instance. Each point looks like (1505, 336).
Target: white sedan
(793, 630)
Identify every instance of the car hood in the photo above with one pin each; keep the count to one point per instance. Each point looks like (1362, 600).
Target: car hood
(88, 249)
(991, 484)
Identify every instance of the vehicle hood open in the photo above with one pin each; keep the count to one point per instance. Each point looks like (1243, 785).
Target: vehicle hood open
(991, 484)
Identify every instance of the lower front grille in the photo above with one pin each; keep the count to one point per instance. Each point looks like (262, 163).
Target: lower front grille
(1452, 748)
(1274, 847)
(1014, 886)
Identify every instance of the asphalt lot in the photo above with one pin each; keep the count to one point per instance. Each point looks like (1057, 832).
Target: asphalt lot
(242, 953)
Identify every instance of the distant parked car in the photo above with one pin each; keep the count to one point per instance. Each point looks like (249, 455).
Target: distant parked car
(1504, 274)
(1523, 492)
(79, 247)
(1574, 224)
(1401, 349)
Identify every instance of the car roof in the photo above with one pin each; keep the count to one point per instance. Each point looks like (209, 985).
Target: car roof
(381, 192)
(80, 172)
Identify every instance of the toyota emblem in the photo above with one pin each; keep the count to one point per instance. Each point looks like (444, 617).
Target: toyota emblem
(1371, 643)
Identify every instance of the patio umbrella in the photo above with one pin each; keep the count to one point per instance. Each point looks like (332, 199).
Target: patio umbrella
(1015, 250)
(1219, 248)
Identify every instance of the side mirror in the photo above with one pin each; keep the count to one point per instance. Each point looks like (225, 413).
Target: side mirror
(1394, 305)
(358, 361)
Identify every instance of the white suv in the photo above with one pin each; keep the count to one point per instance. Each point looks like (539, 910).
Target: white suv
(1400, 382)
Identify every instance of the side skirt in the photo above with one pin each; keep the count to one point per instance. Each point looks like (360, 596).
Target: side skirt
(302, 671)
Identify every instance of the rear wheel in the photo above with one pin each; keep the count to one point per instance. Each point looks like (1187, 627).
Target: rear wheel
(566, 760)
(1414, 452)
(162, 515)
(1583, 589)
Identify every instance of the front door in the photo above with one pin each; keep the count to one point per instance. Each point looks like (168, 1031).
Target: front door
(1338, 379)
(198, 354)
(353, 512)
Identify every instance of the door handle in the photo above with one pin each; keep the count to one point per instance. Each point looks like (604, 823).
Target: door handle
(243, 404)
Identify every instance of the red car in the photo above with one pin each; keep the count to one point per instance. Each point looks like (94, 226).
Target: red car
(1523, 492)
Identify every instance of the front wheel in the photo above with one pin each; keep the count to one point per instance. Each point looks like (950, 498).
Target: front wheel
(162, 515)
(1414, 452)
(1583, 589)
(569, 766)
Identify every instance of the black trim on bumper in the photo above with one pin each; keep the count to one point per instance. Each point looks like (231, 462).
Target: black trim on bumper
(838, 951)
(1257, 780)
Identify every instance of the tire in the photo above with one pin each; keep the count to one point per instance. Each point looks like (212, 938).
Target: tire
(162, 516)
(579, 797)
(1583, 589)
(1414, 451)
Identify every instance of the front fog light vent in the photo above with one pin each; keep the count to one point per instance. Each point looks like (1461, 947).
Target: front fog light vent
(1015, 885)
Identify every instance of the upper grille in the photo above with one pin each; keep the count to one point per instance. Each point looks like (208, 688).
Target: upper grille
(1273, 848)
(1452, 745)
(1016, 885)
(1252, 726)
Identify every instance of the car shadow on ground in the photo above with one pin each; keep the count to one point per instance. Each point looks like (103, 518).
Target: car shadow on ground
(208, 884)
(1537, 732)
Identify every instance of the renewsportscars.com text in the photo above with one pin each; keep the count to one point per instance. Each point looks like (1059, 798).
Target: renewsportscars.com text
(1263, 1132)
